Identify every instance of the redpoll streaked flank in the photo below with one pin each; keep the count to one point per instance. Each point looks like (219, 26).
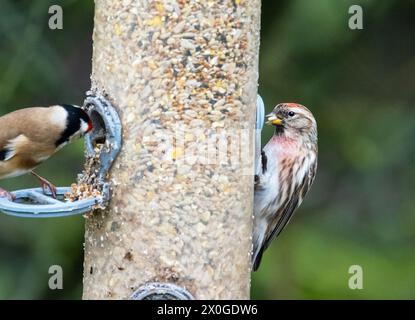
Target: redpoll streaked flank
(30, 136)
(289, 165)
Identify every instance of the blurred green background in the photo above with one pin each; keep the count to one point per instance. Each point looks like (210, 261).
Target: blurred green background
(359, 85)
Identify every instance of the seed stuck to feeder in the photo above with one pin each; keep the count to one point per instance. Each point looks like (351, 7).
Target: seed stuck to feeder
(88, 185)
(81, 191)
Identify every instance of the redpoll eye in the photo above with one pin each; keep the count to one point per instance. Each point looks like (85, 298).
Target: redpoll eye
(291, 113)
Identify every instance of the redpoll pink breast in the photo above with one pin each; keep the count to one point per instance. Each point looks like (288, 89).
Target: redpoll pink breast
(289, 165)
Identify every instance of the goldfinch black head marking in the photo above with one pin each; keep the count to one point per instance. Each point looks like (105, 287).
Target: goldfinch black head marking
(3, 154)
(77, 122)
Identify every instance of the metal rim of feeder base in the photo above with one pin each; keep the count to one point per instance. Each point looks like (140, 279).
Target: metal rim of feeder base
(161, 291)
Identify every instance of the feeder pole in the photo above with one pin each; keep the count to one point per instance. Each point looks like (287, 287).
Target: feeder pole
(183, 76)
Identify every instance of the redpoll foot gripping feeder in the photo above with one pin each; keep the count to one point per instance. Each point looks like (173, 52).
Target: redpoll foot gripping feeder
(33, 203)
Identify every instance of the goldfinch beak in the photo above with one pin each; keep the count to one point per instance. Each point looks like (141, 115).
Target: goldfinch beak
(272, 119)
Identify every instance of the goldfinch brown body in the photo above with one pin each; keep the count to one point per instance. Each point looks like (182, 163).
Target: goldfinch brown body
(30, 136)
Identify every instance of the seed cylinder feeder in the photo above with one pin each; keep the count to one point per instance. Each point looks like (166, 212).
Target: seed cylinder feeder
(182, 76)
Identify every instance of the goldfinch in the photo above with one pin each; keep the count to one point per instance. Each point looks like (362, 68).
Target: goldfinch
(30, 136)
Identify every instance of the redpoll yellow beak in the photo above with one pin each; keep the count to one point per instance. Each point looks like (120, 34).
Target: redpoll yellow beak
(273, 120)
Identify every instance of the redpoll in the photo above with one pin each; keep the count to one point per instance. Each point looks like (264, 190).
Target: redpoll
(289, 165)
